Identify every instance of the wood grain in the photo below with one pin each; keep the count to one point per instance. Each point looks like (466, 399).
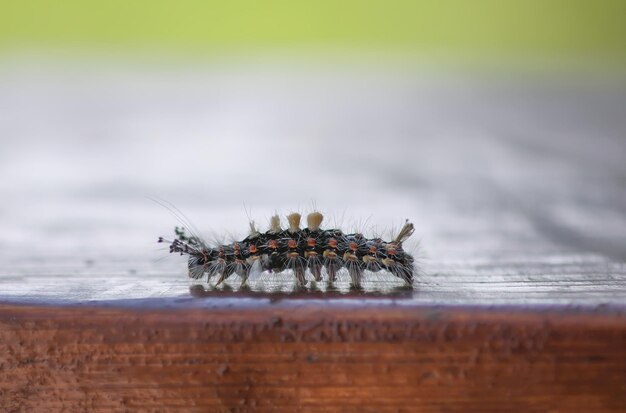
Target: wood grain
(312, 358)
(516, 187)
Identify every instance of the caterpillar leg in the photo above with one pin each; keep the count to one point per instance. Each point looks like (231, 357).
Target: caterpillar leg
(215, 269)
(311, 252)
(298, 272)
(332, 262)
(298, 266)
(315, 266)
(356, 274)
(316, 270)
(295, 261)
(354, 268)
(399, 270)
(241, 269)
(332, 267)
(253, 272)
(405, 273)
(226, 272)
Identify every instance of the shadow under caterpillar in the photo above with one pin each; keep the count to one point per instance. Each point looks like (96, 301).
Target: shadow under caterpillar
(309, 254)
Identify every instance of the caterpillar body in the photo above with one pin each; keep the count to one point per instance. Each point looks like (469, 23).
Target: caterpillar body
(308, 254)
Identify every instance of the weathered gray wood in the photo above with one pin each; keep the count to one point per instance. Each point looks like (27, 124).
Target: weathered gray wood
(517, 186)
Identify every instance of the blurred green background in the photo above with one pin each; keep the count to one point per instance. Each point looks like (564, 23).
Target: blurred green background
(568, 30)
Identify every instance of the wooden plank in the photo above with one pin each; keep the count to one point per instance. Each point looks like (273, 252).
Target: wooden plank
(516, 187)
(313, 358)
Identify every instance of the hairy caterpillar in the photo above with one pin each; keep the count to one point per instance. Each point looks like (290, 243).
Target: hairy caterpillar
(311, 253)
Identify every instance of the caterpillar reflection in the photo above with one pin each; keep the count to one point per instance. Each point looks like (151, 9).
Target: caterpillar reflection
(309, 254)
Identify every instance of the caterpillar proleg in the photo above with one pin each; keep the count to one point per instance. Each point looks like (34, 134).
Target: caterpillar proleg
(303, 255)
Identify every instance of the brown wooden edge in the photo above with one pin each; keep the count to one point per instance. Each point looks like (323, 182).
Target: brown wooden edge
(312, 358)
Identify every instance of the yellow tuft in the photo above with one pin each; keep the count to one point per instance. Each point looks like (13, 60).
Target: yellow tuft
(253, 231)
(294, 221)
(406, 231)
(275, 224)
(314, 220)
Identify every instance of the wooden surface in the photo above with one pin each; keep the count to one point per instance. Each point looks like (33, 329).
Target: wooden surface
(516, 187)
(311, 358)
